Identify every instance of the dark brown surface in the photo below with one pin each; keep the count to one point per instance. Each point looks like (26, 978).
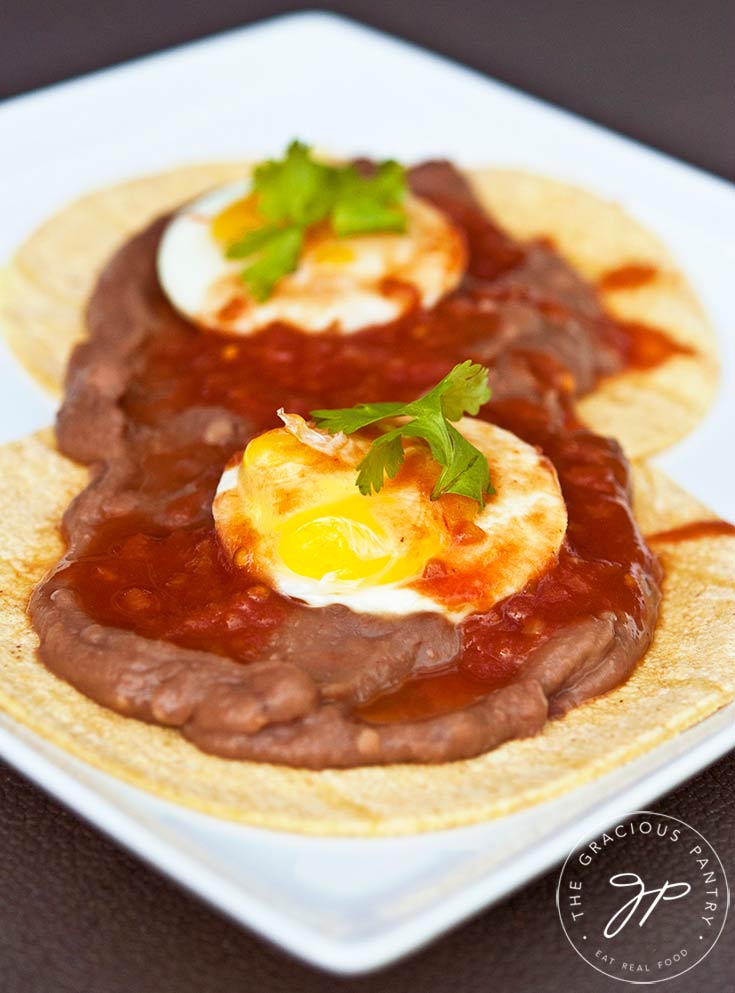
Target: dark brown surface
(78, 915)
(662, 71)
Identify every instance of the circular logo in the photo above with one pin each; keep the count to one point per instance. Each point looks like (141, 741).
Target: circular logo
(645, 900)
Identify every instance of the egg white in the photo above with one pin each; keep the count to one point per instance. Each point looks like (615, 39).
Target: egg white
(386, 274)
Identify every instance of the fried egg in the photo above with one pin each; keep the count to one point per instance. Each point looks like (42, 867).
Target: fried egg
(290, 514)
(341, 284)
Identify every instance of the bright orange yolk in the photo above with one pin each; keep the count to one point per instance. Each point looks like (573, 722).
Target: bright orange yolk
(345, 540)
(342, 540)
(234, 222)
(333, 252)
(274, 448)
(321, 527)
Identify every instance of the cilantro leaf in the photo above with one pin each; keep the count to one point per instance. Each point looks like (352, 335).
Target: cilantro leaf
(296, 192)
(351, 419)
(365, 204)
(384, 458)
(296, 189)
(464, 390)
(252, 242)
(388, 182)
(361, 215)
(464, 468)
(279, 255)
(467, 473)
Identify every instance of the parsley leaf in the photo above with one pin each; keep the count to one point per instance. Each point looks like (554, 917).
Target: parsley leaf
(296, 192)
(464, 468)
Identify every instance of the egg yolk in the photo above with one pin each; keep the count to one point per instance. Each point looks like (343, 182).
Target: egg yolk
(234, 222)
(273, 448)
(320, 526)
(345, 541)
(332, 252)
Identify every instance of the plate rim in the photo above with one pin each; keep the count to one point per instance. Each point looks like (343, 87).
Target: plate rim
(344, 958)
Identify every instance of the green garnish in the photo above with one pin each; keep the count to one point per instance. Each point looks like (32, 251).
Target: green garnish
(464, 468)
(277, 250)
(296, 192)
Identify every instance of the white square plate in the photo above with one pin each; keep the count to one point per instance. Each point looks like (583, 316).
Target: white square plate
(351, 905)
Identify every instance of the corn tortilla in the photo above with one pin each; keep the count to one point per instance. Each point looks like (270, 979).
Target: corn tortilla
(44, 289)
(688, 674)
(647, 411)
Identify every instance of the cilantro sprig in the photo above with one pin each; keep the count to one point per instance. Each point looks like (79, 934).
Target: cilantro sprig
(296, 192)
(464, 468)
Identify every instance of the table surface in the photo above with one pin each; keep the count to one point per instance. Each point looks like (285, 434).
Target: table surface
(78, 914)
